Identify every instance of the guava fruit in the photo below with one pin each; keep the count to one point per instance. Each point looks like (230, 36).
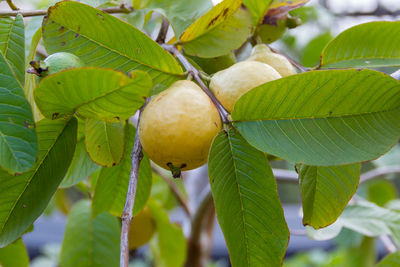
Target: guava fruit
(55, 63)
(142, 229)
(230, 84)
(177, 127)
(262, 53)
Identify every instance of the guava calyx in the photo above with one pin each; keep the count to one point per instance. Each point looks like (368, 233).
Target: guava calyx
(55, 63)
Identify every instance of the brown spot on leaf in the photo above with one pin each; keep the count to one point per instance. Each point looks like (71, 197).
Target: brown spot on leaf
(63, 43)
(54, 115)
(77, 35)
(61, 29)
(114, 164)
(101, 16)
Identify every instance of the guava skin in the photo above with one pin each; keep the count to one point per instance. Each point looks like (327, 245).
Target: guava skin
(177, 127)
(230, 84)
(142, 229)
(262, 53)
(61, 61)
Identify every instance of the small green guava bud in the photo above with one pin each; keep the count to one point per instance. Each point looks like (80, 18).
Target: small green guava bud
(55, 63)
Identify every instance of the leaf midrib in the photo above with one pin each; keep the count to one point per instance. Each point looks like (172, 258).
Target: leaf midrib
(12, 210)
(338, 116)
(241, 200)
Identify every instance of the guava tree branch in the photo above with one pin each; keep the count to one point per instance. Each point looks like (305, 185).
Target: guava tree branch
(388, 243)
(12, 5)
(196, 75)
(127, 215)
(162, 34)
(33, 13)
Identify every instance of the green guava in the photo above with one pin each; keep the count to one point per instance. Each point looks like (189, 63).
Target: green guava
(55, 63)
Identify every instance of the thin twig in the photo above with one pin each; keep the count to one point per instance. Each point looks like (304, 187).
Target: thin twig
(379, 172)
(12, 5)
(175, 191)
(195, 74)
(162, 34)
(33, 13)
(298, 232)
(127, 216)
(292, 61)
(286, 175)
(195, 252)
(389, 245)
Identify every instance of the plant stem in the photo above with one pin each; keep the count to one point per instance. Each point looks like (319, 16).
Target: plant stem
(195, 250)
(33, 13)
(162, 34)
(292, 61)
(196, 75)
(389, 245)
(175, 191)
(12, 5)
(127, 216)
(396, 74)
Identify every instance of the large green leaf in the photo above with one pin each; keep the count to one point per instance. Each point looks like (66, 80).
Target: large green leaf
(24, 197)
(18, 142)
(14, 255)
(224, 28)
(104, 141)
(102, 40)
(322, 118)
(81, 166)
(180, 13)
(326, 192)
(170, 243)
(246, 201)
(222, 39)
(365, 218)
(392, 260)
(90, 242)
(373, 44)
(112, 185)
(12, 45)
(92, 93)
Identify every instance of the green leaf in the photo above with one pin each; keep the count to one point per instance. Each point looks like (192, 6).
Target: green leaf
(373, 44)
(12, 45)
(365, 218)
(18, 141)
(322, 118)
(258, 9)
(102, 40)
(392, 260)
(170, 241)
(180, 13)
(92, 93)
(312, 52)
(326, 192)
(104, 142)
(25, 196)
(286, 4)
(381, 191)
(81, 166)
(14, 254)
(90, 242)
(213, 65)
(112, 184)
(246, 201)
(31, 80)
(224, 28)
(224, 38)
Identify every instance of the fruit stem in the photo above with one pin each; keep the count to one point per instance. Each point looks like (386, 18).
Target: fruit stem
(292, 61)
(127, 215)
(196, 75)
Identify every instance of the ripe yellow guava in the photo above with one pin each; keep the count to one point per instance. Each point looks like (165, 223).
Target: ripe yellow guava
(178, 125)
(230, 84)
(262, 53)
(142, 229)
